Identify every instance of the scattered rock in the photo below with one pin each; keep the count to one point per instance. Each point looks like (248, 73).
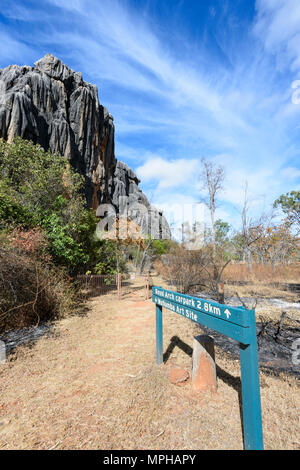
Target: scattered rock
(178, 376)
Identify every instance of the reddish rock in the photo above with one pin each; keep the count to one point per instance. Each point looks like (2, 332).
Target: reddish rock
(205, 378)
(178, 376)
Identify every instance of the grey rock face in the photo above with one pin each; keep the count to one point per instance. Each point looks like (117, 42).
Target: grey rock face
(51, 105)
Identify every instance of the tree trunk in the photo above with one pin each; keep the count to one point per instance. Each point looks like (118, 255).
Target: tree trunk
(142, 263)
(249, 256)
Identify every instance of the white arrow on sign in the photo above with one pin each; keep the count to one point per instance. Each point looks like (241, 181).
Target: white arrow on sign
(227, 313)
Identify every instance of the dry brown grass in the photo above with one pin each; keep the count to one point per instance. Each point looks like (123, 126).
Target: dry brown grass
(236, 272)
(262, 284)
(265, 289)
(31, 290)
(95, 385)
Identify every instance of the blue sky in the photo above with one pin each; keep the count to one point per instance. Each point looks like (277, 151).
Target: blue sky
(184, 79)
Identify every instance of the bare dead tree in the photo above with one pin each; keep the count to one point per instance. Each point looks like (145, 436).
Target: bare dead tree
(212, 178)
(252, 230)
(146, 249)
(245, 227)
(187, 269)
(249, 234)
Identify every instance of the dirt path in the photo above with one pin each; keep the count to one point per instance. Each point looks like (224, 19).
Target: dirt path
(94, 385)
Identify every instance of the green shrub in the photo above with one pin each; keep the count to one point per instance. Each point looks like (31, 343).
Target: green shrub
(38, 188)
(111, 257)
(32, 178)
(70, 229)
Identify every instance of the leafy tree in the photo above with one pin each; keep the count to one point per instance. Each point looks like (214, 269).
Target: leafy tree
(111, 257)
(290, 205)
(39, 189)
(276, 245)
(222, 231)
(32, 179)
(12, 212)
(70, 229)
(161, 247)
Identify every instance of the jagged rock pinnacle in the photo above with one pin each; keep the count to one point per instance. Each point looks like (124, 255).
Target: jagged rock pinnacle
(53, 106)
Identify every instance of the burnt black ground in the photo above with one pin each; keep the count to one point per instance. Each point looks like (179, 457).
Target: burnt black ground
(275, 352)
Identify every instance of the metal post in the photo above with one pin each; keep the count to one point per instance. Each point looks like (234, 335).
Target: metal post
(252, 422)
(159, 335)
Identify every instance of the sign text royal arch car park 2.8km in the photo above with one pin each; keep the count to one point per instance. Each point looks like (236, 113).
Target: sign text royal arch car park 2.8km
(237, 323)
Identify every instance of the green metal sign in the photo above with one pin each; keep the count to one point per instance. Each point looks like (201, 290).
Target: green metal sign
(237, 323)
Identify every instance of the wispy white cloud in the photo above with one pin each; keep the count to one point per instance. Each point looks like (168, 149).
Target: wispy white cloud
(290, 173)
(168, 173)
(75, 5)
(13, 50)
(278, 26)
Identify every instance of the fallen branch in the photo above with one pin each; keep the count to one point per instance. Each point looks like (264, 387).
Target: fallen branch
(280, 325)
(244, 305)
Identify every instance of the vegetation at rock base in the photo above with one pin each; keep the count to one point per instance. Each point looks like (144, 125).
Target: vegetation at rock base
(39, 189)
(47, 234)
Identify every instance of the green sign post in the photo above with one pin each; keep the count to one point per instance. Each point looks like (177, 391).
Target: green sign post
(237, 323)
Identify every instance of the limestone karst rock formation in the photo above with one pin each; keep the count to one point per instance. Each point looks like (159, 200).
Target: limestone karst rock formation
(51, 105)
